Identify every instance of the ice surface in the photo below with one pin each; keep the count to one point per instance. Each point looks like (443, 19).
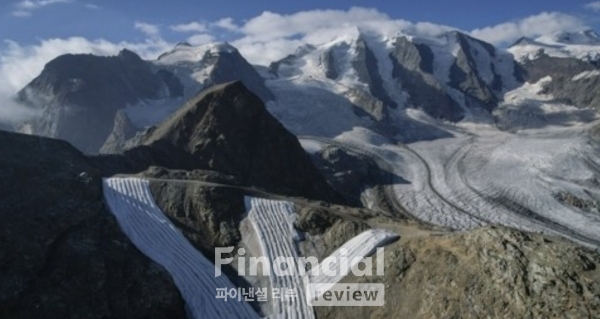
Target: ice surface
(362, 245)
(273, 222)
(131, 202)
(487, 176)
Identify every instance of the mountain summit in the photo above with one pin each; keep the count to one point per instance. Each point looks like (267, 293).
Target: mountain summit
(227, 129)
(79, 95)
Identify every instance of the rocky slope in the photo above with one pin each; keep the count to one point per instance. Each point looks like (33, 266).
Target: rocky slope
(228, 129)
(96, 103)
(568, 61)
(572, 81)
(491, 272)
(477, 77)
(62, 253)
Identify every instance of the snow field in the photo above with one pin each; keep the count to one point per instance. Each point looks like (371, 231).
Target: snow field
(493, 177)
(273, 225)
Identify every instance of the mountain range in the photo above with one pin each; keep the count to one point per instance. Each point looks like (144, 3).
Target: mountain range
(485, 162)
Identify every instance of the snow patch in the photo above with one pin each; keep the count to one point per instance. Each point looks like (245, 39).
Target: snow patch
(586, 75)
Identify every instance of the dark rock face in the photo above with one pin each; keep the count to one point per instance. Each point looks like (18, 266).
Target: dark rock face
(583, 92)
(79, 95)
(367, 69)
(464, 75)
(228, 129)
(62, 254)
(412, 68)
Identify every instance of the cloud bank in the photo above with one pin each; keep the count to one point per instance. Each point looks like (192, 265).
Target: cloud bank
(533, 26)
(271, 36)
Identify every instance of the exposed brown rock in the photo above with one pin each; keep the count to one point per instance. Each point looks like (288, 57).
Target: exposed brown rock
(492, 272)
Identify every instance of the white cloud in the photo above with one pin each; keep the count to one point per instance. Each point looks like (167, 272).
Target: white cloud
(271, 25)
(227, 24)
(594, 6)
(199, 39)
(92, 6)
(271, 36)
(189, 27)
(150, 30)
(21, 64)
(25, 7)
(21, 13)
(533, 26)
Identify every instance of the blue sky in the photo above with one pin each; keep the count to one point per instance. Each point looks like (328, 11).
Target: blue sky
(114, 19)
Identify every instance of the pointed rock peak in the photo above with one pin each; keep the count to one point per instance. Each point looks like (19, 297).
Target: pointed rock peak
(128, 55)
(305, 49)
(182, 127)
(228, 129)
(184, 52)
(183, 44)
(224, 47)
(523, 41)
(466, 41)
(454, 34)
(591, 34)
(217, 47)
(461, 36)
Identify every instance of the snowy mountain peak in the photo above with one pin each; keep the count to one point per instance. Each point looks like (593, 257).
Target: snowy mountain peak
(586, 37)
(184, 52)
(583, 45)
